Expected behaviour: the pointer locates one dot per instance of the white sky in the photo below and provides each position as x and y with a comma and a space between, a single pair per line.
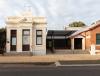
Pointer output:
58, 12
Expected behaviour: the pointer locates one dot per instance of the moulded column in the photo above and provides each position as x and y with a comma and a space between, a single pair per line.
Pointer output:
83, 44
31, 41
8, 40
72, 43
19, 40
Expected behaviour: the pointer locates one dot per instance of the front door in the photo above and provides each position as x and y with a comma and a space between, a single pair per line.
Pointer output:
13, 40
78, 43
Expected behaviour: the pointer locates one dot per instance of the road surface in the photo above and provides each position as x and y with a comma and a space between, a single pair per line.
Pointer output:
31, 70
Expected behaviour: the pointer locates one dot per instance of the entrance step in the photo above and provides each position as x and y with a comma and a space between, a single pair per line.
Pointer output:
63, 51
71, 52
18, 54
81, 52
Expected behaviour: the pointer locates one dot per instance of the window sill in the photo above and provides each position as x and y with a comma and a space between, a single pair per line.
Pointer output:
97, 44
39, 45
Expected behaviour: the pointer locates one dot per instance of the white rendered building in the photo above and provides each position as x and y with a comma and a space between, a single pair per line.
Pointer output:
26, 33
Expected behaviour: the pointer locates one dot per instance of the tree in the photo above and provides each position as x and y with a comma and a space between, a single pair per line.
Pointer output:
2, 38
77, 24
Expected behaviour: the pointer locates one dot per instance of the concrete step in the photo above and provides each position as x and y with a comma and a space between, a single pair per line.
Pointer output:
71, 51
18, 54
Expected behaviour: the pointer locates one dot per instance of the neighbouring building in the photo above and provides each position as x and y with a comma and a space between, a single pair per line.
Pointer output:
88, 38
26, 34
75, 39
58, 40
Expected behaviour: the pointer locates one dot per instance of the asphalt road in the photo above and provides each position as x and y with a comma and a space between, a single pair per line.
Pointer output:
31, 70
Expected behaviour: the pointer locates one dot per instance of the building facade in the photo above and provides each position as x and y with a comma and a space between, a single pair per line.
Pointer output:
26, 33
88, 38
75, 39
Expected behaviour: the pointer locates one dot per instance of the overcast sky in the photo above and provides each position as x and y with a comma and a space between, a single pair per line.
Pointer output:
58, 12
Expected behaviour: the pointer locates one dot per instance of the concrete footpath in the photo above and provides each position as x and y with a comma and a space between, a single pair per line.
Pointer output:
47, 58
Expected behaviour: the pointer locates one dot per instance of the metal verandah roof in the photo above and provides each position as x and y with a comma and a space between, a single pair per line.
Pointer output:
60, 32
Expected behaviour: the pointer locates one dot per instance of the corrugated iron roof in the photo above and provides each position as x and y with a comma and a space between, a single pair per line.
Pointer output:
85, 29
59, 33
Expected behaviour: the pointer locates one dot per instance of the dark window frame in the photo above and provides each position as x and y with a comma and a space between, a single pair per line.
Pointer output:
97, 39
25, 34
25, 47
38, 36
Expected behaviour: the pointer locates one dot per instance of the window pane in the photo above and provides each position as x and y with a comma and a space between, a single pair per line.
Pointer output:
26, 40
13, 40
97, 41
98, 36
26, 32
39, 40
39, 32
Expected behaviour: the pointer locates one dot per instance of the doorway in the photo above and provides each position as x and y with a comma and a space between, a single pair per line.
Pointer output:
13, 40
78, 43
